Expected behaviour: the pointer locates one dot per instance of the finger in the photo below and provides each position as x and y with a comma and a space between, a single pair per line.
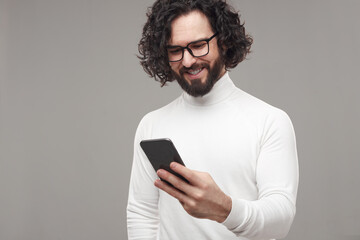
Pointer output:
175, 181
187, 173
171, 191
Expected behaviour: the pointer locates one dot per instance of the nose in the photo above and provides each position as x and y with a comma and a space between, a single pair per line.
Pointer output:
188, 60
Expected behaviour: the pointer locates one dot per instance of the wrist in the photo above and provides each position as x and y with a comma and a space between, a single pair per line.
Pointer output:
226, 209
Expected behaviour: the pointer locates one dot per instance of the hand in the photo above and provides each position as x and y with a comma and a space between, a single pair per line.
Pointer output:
201, 197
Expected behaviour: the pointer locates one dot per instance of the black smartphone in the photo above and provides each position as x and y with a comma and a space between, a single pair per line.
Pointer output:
161, 152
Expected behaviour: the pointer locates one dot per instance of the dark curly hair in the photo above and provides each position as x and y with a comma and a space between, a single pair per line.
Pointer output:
157, 31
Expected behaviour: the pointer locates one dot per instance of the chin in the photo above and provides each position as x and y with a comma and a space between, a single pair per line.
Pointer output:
197, 80
202, 84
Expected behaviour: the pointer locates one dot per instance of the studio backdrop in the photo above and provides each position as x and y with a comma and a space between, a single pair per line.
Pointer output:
72, 93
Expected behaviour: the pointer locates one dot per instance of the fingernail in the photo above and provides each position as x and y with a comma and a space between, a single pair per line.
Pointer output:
173, 164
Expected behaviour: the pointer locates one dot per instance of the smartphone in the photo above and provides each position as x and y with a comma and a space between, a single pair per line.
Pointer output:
161, 152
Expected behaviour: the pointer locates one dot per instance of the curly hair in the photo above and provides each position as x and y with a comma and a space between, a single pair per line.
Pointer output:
232, 40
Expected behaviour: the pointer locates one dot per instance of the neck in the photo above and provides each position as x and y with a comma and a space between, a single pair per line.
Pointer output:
220, 91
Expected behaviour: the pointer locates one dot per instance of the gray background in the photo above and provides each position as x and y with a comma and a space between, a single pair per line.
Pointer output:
72, 93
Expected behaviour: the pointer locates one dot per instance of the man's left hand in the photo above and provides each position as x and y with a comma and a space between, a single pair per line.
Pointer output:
201, 197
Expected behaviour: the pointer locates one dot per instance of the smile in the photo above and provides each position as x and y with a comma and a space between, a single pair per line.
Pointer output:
194, 72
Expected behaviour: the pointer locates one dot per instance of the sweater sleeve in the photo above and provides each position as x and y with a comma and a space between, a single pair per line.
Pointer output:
271, 215
142, 208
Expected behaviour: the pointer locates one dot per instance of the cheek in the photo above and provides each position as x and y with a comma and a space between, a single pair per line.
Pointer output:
214, 52
175, 67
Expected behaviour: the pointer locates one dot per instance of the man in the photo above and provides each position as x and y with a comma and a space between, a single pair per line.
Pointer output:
239, 152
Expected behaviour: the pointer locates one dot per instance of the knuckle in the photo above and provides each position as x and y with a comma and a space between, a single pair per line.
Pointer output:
190, 175
173, 193
198, 196
177, 183
164, 175
191, 206
205, 186
207, 176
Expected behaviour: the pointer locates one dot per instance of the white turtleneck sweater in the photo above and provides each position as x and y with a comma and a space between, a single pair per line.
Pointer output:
246, 145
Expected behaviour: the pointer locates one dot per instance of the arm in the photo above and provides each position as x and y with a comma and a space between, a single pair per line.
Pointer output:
277, 180
142, 208
276, 176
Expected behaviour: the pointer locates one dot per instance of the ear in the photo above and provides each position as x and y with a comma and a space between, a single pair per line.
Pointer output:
223, 49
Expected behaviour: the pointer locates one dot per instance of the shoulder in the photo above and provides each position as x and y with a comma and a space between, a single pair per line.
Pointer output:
161, 112
261, 115
258, 108
155, 117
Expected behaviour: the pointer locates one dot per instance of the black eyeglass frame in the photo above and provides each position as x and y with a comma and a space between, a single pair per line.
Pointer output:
189, 50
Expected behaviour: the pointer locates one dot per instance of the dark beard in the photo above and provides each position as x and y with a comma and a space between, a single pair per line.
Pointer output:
197, 88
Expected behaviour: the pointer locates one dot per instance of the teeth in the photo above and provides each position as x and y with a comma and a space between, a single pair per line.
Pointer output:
195, 71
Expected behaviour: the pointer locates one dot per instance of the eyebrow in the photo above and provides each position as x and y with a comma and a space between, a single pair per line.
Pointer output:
200, 39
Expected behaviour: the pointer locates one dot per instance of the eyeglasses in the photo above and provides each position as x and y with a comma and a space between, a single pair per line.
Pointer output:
197, 48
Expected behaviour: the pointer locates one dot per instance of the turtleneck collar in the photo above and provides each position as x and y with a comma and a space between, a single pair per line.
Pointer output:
220, 91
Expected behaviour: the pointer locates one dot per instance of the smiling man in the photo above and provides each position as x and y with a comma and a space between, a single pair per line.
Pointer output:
198, 68
240, 153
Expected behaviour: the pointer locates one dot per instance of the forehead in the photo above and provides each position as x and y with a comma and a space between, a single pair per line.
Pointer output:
190, 27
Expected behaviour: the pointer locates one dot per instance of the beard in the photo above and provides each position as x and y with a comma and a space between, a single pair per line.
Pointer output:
196, 88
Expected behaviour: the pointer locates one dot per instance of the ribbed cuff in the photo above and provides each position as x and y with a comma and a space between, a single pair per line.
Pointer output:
238, 215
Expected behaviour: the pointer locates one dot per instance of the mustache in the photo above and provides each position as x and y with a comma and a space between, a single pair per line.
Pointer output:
193, 67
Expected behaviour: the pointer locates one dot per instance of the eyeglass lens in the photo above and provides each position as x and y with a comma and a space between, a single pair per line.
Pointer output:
196, 49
